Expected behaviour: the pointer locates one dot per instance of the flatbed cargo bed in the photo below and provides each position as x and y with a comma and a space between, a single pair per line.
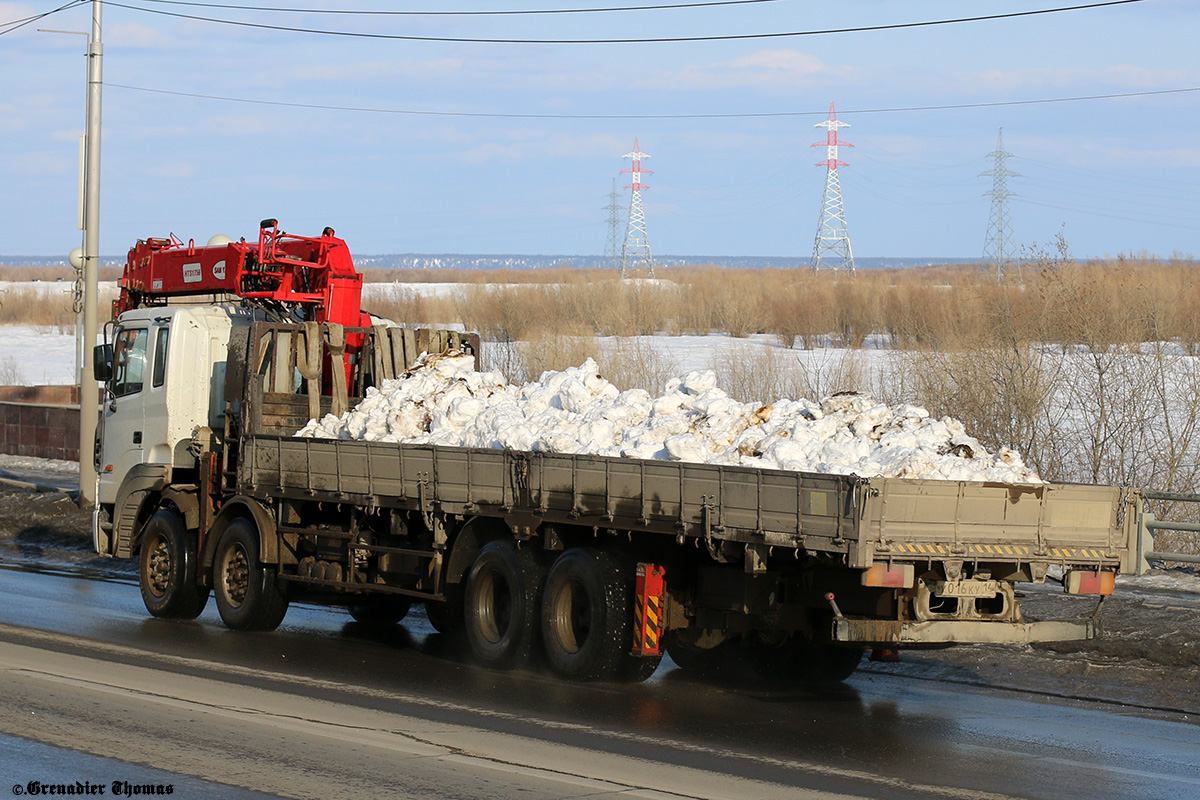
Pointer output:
859, 520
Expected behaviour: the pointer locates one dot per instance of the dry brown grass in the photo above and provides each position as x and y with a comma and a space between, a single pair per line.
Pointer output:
31, 306
1051, 300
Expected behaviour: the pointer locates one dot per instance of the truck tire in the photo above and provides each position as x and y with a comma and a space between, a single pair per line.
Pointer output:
587, 617
382, 613
446, 616
795, 659
500, 605
167, 569
719, 660
248, 594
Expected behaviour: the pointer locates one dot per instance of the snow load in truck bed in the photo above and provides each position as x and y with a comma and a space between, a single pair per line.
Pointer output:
443, 400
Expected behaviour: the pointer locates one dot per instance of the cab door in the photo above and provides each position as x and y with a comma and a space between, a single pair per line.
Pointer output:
124, 414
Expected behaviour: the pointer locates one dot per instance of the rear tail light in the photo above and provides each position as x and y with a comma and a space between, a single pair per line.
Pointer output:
1087, 582
889, 576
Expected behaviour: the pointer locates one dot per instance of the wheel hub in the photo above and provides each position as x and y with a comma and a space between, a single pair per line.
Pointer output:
158, 576
237, 576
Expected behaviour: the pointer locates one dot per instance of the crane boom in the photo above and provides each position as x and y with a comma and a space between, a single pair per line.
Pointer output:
315, 276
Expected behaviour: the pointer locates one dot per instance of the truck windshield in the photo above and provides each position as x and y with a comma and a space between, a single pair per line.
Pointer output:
129, 361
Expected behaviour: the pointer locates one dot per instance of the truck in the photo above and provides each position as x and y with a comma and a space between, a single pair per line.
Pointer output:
595, 566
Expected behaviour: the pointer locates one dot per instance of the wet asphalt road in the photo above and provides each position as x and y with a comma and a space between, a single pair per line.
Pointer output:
523, 734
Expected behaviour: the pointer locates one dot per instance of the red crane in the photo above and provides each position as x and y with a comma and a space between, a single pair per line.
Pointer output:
313, 277
299, 278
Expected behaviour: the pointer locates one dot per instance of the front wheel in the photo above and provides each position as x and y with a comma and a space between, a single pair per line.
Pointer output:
248, 595
167, 569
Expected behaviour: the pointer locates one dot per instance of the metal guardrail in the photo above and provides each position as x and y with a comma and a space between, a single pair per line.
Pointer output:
1149, 525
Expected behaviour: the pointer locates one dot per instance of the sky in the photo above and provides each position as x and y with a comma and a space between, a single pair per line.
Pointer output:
210, 127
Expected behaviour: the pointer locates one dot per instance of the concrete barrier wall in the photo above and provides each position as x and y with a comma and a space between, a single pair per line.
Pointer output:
40, 421
40, 395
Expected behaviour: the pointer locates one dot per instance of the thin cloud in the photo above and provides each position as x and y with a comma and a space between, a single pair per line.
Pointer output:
762, 69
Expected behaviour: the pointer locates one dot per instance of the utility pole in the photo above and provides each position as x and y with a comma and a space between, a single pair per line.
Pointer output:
998, 246
636, 250
89, 407
831, 247
612, 252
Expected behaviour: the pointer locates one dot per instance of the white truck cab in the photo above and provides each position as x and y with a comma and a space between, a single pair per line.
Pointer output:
167, 379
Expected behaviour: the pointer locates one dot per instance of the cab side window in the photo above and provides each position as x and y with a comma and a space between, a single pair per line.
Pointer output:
160, 357
129, 361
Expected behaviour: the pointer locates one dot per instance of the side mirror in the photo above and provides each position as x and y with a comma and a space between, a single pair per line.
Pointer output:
102, 356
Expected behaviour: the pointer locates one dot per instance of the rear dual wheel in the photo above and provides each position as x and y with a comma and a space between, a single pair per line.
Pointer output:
579, 613
587, 618
501, 603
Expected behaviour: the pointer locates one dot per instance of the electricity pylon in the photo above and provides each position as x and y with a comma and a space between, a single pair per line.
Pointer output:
831, 248
998, 246
612, 250
636, 250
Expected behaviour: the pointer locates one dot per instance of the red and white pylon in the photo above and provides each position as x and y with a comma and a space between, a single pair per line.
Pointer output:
831, 249
635, 252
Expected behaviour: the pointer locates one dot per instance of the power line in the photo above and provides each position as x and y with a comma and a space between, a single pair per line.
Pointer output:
1094, 213
15, 24
360, 12
647, 40
498, 115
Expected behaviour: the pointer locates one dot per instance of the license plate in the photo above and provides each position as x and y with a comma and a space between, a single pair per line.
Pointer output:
966, 588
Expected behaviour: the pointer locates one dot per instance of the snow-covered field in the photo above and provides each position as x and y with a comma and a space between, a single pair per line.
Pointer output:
43, 355
34, 356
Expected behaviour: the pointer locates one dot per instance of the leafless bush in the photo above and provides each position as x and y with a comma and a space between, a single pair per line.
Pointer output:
822, 373
557, 350
524, 361
505, 357
751, 373
11, 373
757, 373
1003, 396
634, 363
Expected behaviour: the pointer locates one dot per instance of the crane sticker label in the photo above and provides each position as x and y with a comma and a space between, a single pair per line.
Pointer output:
192, 273
219, 270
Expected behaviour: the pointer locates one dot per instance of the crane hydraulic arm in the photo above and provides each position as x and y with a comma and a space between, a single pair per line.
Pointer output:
315, 276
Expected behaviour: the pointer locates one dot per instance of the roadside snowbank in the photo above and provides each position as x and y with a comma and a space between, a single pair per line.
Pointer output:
444, 401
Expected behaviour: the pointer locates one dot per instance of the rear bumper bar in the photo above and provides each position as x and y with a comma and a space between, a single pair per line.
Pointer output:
892, 632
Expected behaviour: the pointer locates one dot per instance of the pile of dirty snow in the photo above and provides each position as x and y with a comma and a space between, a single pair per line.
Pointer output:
445, 401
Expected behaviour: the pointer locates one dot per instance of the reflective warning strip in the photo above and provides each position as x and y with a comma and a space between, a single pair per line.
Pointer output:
647, 623
652, 625
996, 550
